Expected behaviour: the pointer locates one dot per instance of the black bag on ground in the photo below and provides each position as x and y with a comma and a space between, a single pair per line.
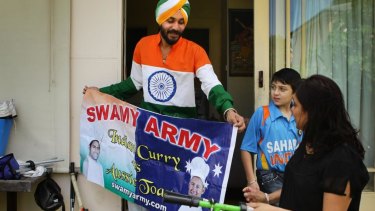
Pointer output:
9, 167
48, 195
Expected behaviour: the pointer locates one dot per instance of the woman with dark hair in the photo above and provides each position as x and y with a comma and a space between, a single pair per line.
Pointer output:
327, 171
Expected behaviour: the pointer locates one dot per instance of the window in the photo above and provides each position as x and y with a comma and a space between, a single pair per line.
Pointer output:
336, 38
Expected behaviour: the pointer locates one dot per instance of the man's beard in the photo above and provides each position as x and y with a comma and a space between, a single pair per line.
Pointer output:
164, 34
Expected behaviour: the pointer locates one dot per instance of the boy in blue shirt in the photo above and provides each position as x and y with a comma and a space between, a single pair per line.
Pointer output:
272, 135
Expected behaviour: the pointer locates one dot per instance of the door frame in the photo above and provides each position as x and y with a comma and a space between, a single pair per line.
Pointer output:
261, 53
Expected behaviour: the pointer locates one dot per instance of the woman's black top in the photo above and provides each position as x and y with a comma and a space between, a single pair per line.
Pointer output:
308, 177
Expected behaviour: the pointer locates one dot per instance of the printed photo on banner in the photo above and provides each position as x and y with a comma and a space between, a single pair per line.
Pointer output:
138, 154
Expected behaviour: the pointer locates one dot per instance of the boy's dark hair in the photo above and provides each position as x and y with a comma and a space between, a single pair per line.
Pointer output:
287, 76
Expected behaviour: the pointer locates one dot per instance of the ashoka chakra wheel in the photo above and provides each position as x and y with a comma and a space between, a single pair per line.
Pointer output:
161, 86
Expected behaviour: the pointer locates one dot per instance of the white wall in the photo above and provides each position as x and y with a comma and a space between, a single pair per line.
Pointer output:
37, 37
96, 60
34, 59
35, 71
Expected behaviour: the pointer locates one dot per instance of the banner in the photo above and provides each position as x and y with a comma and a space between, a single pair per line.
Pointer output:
138, 154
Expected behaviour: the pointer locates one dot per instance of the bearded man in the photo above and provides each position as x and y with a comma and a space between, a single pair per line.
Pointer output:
165, 65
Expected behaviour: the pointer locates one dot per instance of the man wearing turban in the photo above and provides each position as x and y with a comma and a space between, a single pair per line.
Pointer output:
165, 65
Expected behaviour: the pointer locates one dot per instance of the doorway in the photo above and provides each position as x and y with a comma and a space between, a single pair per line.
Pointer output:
210, 30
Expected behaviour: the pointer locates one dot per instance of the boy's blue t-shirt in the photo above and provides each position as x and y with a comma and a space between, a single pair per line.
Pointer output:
274, 142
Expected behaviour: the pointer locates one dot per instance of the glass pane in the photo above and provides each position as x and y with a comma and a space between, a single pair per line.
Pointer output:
336, 38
